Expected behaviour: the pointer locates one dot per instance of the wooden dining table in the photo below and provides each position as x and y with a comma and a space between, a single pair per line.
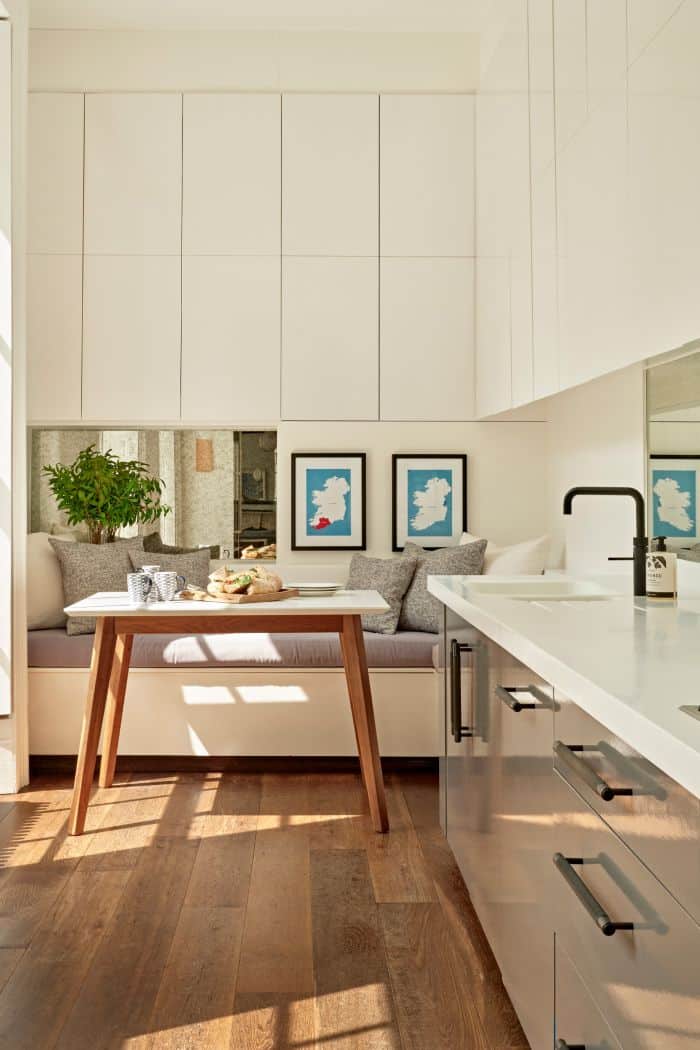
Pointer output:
118, 620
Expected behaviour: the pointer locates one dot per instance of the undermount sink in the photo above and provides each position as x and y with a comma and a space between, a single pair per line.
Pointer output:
540, 589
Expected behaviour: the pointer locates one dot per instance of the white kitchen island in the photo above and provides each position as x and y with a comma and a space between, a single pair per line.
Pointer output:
571, 800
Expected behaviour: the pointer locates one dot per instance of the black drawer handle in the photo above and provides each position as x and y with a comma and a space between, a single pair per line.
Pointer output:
567, 755
459, 732
561, 1044
505, 693
594, 908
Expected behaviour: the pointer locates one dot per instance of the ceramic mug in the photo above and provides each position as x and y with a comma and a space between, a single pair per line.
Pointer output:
139, 585
167, 584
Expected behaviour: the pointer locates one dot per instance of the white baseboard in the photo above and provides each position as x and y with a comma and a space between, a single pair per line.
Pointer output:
232, 711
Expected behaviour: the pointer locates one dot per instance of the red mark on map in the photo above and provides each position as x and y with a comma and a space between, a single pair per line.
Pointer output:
322, 523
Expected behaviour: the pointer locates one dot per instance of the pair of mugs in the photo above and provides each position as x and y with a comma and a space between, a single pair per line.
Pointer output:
149, 584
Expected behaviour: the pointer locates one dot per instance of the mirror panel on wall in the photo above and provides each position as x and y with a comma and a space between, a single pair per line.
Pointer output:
221, 485
673, 444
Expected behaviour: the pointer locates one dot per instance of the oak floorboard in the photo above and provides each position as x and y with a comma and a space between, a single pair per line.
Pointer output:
40, 993
273, 1022
276, 950
340, 807
397, 865
226, 825
9, 960
194, 1006
119, 993
37, 861
353, 1000
495, 1010
433, 999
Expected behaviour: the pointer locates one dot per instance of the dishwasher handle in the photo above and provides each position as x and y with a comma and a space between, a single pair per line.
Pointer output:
459, 731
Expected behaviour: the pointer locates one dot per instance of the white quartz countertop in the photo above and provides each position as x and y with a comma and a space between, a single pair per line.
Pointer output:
632, 663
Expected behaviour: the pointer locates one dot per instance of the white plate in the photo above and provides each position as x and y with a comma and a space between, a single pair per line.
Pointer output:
316, 588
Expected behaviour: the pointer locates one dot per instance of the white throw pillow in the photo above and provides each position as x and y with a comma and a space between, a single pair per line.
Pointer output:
44, 583
521, 559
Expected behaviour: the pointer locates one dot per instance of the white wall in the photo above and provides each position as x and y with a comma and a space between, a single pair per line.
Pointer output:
506, 476
96, 60
595, 437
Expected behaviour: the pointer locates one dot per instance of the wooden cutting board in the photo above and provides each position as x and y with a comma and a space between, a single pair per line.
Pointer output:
244, 599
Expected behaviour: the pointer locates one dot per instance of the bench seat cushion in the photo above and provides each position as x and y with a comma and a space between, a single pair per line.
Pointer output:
55, 648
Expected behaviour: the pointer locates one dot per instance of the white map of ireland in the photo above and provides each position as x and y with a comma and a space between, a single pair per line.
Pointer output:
431, 501
673, 504
330, 503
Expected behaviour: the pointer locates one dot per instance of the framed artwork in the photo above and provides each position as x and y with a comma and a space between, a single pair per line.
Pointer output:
429, 500
675, 499
328, 501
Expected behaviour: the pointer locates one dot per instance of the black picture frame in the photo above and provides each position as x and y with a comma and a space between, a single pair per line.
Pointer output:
361, 458
462, 505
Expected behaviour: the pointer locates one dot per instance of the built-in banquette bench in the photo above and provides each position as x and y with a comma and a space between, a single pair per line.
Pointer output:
240, 695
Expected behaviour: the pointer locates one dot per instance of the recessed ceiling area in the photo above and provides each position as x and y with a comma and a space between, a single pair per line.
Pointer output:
276, 15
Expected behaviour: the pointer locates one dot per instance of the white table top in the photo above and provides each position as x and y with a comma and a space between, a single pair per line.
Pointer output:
342, 603
631, 663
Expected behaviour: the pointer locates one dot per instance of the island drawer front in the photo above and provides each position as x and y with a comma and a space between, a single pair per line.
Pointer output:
578, 1021
645, 980
659, 820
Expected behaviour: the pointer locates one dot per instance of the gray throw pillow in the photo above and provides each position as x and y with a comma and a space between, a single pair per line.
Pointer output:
391, 577
193, 566
90, 567
420, 610
153, 543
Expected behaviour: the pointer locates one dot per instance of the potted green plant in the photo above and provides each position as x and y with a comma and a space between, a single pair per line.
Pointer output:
106, 493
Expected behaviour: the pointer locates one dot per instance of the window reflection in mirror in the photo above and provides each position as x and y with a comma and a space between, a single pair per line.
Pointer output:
220, 484
673, 442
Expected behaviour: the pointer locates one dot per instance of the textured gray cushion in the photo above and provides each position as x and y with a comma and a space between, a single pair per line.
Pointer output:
391, 577
153, 543
194, 566
409, 649
420, 611
90, 567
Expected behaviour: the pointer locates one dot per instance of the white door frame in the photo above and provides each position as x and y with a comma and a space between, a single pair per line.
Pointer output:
14, 757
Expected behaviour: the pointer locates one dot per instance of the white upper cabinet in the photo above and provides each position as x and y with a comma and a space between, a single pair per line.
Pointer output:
570, 73
55, 173
230, 331
427, 175
427, 339
330, 165
664, 159
503, 229
543, 202
54, 337
231, 174
131, 338
330, 359
133, 174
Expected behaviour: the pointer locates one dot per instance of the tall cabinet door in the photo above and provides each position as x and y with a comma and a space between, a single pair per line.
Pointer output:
54, 263
231, 265
427, 248
133, 184
329, 338
330, 165
330, 240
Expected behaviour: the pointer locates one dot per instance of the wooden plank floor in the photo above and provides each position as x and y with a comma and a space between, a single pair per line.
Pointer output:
240, 912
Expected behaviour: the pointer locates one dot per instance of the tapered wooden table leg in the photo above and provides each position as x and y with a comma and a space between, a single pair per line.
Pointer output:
357, 676
115, 708
100, 671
